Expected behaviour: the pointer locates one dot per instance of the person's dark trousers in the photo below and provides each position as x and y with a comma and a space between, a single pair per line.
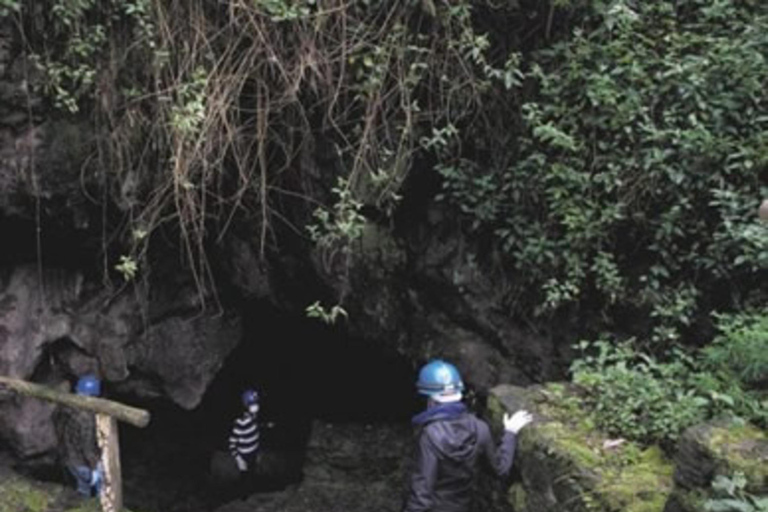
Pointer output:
225, 481
246, 482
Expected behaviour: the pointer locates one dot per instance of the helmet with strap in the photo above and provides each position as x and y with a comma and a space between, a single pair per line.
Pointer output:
440, 381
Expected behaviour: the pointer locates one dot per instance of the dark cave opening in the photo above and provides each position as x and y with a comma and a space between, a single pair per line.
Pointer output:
304, 370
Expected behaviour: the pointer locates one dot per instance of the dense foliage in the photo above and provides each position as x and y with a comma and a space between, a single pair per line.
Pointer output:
638, 396
730, 495
740, 350
608, 155
635, 181
634, 396
636, 186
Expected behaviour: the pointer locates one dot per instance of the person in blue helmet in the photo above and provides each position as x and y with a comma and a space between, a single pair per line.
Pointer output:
78, 449
452, 442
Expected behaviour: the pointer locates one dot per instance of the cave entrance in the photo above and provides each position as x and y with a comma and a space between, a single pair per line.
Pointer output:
305, 372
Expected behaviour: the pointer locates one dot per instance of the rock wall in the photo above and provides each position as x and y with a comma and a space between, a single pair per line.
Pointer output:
52, 331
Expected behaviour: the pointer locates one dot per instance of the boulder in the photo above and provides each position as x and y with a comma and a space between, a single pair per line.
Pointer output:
178, 357
565, 464
721, 447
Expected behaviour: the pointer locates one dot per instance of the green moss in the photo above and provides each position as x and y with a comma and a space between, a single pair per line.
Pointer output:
17, 495
641, 486
517, 497
570, 443
626, 478
87, 506
495, 409
688, 501
737, 445
20, 495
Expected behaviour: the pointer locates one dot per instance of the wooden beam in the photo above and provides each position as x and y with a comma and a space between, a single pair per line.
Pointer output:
132, 415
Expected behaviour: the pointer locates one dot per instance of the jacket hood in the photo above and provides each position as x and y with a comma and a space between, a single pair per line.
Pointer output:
450, 429
439, 412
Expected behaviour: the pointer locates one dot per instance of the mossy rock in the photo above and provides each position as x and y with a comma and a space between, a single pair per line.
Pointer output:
18, 494
563, 462
722, 447
517, 497
686, 501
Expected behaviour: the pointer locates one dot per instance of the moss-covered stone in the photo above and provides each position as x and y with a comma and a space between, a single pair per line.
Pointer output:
722, 447
563, 462
642, 485
517, 497
18, 494
686, 501
744, 448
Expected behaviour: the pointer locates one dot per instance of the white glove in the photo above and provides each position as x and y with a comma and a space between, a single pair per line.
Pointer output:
517, 421
241, 464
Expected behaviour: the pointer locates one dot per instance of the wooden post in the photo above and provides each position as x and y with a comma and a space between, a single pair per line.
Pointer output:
111, 495
107, 413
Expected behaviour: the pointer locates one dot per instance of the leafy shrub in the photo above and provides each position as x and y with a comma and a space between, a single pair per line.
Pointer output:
634, 181
730, 496
9, 6
639, 397
634, 396
728, 396
741, 349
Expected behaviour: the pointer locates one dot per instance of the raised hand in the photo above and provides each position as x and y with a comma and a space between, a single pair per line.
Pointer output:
517, 421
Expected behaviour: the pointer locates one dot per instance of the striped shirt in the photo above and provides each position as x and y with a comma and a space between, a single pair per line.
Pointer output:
244, 438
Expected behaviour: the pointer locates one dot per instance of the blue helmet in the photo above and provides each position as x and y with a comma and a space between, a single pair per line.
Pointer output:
88, 385
440, 380
250, 397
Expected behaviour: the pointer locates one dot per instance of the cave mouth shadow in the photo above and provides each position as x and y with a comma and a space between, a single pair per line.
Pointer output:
304, 371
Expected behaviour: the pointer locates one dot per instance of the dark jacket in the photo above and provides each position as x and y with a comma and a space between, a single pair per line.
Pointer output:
451, 444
